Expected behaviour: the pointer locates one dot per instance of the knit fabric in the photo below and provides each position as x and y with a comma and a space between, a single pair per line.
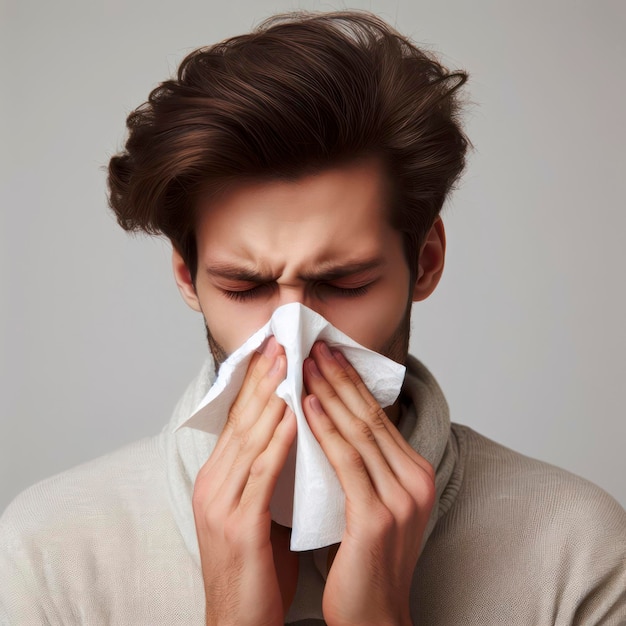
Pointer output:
511, 540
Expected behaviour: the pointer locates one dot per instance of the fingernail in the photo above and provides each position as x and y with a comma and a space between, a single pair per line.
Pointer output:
340, 358
313, 369
325, 351
316, 406
275, 366
270, 346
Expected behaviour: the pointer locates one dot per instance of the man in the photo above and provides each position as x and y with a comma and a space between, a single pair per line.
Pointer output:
308, 162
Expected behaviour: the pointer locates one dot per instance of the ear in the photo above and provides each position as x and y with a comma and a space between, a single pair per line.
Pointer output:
182, 277
431, 262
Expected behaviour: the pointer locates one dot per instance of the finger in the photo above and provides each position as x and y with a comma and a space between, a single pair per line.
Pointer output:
261, 364
337, 385
267, 466
234, 473
262, 378
351, 408
220, 487
345, 459
348, 387
342, 401
376, 495
347, 390
358, 435
365, 393
228, 445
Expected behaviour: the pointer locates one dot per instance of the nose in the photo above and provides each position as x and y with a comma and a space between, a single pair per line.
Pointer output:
293, 293
303, 294
298, 293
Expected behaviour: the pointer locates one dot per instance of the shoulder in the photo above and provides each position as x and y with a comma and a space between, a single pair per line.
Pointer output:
496, 475
538, 537
90, 532
89, 494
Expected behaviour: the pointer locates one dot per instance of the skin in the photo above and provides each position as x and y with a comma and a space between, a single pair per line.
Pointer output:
261, 245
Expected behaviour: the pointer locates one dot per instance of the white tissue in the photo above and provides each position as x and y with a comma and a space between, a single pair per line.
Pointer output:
308, 498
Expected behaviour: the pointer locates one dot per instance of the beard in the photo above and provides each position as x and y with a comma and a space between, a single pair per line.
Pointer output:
395, 348
217, 350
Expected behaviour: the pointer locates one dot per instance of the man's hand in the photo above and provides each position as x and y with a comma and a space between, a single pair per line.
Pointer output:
239, 545
389, 488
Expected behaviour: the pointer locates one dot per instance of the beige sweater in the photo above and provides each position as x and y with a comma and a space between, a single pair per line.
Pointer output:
511, 540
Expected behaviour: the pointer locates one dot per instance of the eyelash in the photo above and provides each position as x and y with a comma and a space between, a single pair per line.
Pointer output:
249, 294
241, 296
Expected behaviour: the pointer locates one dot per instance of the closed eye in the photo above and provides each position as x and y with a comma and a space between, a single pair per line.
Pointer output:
324, 289
345, 292
246, 294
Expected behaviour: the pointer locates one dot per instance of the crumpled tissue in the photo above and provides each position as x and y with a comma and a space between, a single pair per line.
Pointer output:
308, 497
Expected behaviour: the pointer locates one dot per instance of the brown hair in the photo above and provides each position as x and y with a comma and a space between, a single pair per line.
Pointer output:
302, 92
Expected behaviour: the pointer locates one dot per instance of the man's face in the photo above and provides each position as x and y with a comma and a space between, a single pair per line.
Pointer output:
323, 240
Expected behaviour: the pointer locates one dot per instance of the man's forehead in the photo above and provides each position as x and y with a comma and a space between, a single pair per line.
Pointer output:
362, 181
329, 223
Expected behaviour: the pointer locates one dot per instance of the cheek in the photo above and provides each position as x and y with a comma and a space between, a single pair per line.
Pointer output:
372, 320
231, 323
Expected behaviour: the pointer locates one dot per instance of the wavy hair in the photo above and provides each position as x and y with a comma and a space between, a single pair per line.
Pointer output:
301, 93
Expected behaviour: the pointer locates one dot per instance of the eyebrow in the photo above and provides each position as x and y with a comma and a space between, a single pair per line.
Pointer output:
325, 272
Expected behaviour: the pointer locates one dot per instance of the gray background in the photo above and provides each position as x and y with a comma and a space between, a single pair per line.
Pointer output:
525, 333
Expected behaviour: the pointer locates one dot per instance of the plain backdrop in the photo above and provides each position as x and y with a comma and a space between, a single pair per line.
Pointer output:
526, 331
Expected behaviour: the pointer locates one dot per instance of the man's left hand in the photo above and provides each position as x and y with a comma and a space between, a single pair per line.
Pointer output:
389, 488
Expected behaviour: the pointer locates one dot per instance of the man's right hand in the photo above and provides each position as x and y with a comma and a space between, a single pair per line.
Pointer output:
238, 542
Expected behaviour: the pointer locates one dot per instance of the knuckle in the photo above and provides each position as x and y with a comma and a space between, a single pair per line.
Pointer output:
234, 415
244, 439
330, 393
428, 493
263, 469
357, 381
210, 519
353, 458
213, 519
424, 493
363, 430
342, 376
375, 416
201, 494
257, 468
406, 508
378, 417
